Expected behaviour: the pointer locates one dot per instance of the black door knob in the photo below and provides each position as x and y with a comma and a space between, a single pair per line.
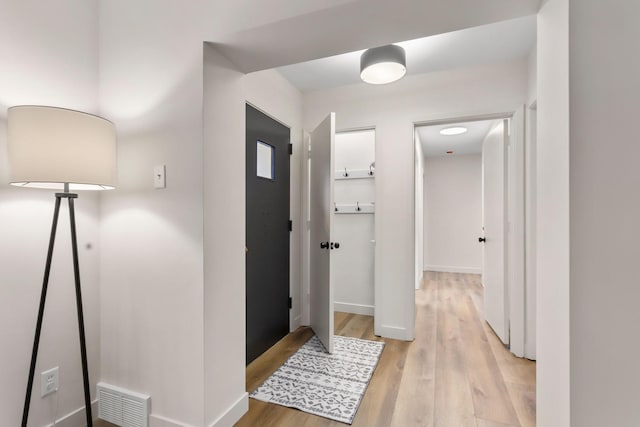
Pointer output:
481, 239
324, 245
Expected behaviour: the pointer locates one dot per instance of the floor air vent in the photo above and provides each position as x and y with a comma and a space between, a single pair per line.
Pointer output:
123, 407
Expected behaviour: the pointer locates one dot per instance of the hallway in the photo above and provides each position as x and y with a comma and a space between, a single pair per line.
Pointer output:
455, 374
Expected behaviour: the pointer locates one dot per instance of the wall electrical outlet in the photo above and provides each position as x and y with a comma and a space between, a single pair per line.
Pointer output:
49, 382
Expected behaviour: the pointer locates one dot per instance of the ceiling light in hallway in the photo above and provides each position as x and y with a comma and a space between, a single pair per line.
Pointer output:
382, 65
456, 130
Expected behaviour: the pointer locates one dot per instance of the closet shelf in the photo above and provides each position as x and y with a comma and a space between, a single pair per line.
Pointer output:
355, 173
354, 208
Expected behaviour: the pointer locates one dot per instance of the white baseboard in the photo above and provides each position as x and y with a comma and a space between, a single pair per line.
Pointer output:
345, 307
228, 419
296, 323
156, 420
451, 269
77, 417
393, 332
530, 351
234, 413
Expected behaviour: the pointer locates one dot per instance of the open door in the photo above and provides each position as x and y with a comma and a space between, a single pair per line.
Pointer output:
494, 272
321, 244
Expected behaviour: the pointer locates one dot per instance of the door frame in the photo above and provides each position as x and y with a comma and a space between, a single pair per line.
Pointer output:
418, 209
514, 306
293, 322
531, 206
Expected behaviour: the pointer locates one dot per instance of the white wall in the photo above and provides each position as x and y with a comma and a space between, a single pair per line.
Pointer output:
224, 287
532, 76
604, 86
156, 329
353, 264
393, 110
419, 208
48, 53
553, 337
151, 263
453, 213
226, 91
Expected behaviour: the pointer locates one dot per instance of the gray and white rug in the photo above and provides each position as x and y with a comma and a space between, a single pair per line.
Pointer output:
329, 385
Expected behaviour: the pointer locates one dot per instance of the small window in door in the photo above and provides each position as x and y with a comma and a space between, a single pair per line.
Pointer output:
266, 157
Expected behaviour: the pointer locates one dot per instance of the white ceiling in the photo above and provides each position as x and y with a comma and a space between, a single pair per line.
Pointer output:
434, 144
338, 27
498, 42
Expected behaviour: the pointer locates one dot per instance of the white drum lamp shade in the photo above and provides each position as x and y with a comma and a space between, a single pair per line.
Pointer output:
49, 147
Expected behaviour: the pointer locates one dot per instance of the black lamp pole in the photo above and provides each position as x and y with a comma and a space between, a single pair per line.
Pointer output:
43, 297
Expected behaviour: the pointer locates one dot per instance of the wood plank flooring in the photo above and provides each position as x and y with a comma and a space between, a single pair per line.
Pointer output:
456, 373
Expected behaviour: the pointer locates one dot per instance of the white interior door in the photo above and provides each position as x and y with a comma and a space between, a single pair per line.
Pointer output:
494, 212
321, 244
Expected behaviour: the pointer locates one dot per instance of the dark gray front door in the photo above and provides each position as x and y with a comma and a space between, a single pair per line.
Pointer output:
267, 202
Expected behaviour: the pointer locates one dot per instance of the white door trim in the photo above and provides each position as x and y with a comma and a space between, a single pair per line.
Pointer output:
516, 193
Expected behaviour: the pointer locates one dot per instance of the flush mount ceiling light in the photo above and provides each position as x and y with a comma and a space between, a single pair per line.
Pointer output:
381, 65
456, 130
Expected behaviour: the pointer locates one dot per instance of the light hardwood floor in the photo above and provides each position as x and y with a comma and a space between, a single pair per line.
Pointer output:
455, 374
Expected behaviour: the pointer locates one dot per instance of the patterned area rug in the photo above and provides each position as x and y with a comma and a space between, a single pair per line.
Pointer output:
329, 385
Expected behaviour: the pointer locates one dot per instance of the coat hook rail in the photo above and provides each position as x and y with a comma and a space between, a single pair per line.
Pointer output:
354, 208
355, 173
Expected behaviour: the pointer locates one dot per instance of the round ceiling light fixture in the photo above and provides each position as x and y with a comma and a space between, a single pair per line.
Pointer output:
456, 130
382, 65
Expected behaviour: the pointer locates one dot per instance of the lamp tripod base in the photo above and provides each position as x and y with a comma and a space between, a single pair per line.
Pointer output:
43, 298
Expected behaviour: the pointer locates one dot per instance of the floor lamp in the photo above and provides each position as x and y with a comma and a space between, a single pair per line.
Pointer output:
65, 150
